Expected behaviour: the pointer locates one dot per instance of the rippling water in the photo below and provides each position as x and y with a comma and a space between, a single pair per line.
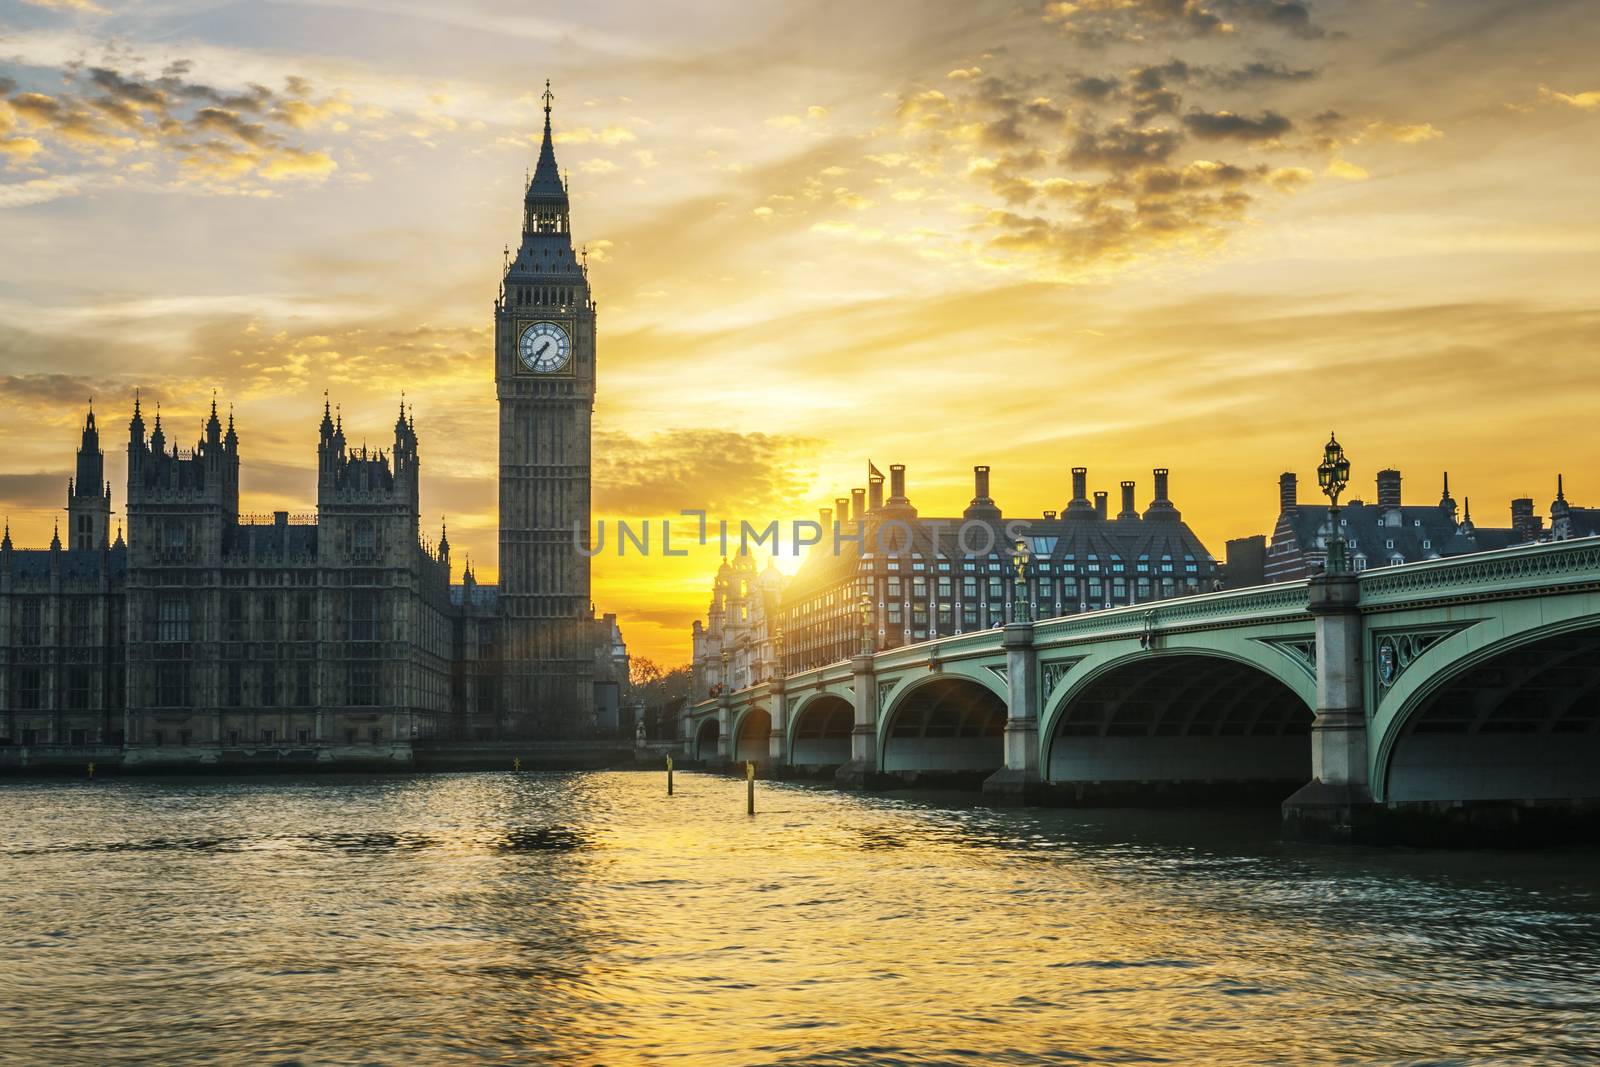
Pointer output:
590, 919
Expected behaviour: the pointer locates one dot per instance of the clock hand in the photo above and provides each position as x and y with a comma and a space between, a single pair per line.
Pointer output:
542, 349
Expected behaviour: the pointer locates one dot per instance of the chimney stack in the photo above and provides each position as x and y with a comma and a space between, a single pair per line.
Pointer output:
1522, 520
1161, 507
1389, 488
897, 483
858, 504
982, 506
1100, 504
875, 493
841, 508
1079, 504
1049, 516
1128, 510
1288, 491
825, 515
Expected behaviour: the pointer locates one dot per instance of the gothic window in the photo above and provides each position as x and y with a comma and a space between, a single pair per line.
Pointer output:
172, 685
78, 621
234, 696
172, 618
363, 681
30, 632
78, 688
25, 688
362, 613
302, 685
269, 684
233, 621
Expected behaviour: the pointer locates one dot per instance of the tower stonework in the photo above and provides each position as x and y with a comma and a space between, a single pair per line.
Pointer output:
89, 494
545, 382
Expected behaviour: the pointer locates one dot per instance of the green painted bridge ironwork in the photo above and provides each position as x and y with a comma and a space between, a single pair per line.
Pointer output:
1433, 700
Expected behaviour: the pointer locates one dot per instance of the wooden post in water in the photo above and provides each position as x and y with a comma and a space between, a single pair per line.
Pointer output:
91, 772
750, 786
669, 776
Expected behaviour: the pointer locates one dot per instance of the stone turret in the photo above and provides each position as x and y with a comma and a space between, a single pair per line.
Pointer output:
88, 493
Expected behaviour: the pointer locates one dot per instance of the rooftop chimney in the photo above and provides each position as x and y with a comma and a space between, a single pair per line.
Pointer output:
875, 493
1079, 504
898, 502
1049, 516
1128, 510
825, 515
841, 508
1161, 507
897, 483
858, 504
982, 506
1288, 491
1389, 488
1522, 519
1100, 505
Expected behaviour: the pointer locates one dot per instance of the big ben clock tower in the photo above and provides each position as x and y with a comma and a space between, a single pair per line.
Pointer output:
544, 348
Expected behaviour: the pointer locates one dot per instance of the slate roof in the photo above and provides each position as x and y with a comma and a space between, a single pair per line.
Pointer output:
77, 564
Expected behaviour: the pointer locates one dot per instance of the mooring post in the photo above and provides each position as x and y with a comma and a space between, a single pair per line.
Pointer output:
669, 776
516, 763
91, 771
750, 786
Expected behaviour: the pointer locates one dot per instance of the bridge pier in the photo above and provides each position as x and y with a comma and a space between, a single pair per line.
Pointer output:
724, 725
862, 770
1018, 781
1336, 806
778, 749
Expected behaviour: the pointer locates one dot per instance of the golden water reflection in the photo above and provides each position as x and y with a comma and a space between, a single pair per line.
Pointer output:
590, 919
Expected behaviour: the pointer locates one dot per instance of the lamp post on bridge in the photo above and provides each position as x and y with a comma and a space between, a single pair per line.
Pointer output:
1333, 474
862, 770
1336, 805
1019, 591
776, 744
725, 698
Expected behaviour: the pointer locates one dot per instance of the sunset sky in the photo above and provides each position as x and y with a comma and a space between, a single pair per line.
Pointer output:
1111, 233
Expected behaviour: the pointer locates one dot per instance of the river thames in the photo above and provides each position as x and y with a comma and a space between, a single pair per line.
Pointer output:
590, 919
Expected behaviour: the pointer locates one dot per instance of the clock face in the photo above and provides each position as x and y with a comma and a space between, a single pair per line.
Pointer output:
544, 348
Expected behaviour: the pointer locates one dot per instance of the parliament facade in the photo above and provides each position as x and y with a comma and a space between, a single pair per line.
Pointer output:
335, 636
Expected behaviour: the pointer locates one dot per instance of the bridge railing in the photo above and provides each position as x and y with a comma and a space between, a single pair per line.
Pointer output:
1499, 573
1257, 602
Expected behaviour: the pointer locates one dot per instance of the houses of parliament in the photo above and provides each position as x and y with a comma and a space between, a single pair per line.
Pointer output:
338, 635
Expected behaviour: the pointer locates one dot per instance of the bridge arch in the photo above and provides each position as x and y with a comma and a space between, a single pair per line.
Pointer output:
705, 739
819, 731
1181, 715
942, 723
752, 735
1495, 711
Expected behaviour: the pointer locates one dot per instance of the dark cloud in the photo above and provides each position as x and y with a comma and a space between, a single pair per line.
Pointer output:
49, 390
1226, 125
218, 120
120, 88
1096, 90
1121, 147
1290, 16
731, 474
33, 491
6, 85
1259, 72
1135, 21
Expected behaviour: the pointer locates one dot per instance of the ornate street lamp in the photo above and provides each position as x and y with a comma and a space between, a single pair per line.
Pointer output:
777, 648
724, 680
1333, 474
1019, 591
867, 641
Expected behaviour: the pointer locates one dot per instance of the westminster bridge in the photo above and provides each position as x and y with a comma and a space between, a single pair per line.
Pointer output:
1455, 699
